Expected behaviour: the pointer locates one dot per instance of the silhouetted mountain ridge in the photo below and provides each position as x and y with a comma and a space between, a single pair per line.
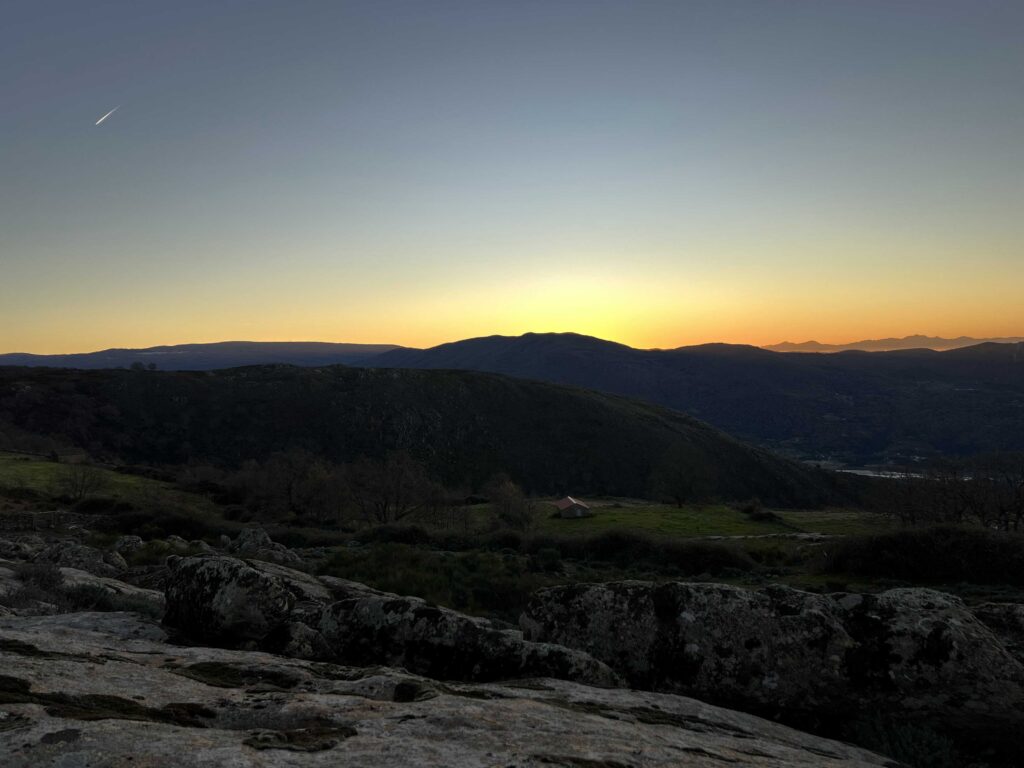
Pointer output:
850, 406
203, 357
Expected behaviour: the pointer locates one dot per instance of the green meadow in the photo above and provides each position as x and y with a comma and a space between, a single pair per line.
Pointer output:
693, 521
25, 476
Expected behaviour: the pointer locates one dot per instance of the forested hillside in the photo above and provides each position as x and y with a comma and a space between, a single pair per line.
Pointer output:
463, 426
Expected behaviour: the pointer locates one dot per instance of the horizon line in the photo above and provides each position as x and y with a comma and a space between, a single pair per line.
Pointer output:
962, 337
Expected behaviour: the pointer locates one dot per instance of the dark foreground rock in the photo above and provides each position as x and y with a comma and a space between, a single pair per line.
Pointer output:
107, 690
822, 661
250, 604
443, 644
256, 544
1006, 620
224, 601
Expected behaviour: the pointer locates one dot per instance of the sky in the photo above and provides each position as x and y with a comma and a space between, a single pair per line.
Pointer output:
656, 173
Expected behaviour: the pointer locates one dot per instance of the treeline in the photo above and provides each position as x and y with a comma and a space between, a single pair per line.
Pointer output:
296, 486
987, 491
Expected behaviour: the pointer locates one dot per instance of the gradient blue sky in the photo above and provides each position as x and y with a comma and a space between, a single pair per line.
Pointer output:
657, 173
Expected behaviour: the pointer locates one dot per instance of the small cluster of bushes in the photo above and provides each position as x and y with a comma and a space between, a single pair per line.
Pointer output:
102, 505
21, 493
615, 547
156, 552
939, 554
92, 598
629, 549
477, 582
916, 745
495, 574
163, 523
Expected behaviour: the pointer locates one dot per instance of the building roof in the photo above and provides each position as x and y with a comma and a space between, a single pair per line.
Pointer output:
569, 501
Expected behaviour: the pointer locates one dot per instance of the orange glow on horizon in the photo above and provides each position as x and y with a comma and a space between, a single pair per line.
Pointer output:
610, 303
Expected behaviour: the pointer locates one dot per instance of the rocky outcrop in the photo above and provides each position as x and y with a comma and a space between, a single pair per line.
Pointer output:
302, 585
21, 547
1006, 620
127, 545
143, 600
345, 589
907, 653
230, 602
223, 600
256, 544
108, 690
71, 554
441, 643
9, 581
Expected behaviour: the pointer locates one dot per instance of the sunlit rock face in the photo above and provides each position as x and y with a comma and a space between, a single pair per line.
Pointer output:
817, 660
109, 690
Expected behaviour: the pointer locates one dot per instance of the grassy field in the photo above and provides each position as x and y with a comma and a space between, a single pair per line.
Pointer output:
43, 477
710, 520
838, 522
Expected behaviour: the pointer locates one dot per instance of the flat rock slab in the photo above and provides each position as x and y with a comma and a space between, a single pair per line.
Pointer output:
104, 690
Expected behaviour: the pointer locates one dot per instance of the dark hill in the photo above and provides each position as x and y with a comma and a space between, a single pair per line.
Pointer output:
205, 357
851, 406
465, 426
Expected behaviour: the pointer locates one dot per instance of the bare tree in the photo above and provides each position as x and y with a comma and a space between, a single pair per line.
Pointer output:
76, 481
510, 505
988, 491
392, 489
682, 476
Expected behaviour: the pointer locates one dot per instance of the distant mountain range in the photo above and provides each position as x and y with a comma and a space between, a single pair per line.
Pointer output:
233, 354
205, 357
936, 343
851, 407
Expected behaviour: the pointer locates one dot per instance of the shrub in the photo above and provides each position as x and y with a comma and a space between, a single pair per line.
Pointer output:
45, 576
21, 493
937, 554
750, 506
156, 552
548, 559
102, 505
76, 481
84, 597
307, 537
503, 539
628, 549
477, 582
916, 745
95, 598
160, 525
27, 596
396, 534
40, 583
